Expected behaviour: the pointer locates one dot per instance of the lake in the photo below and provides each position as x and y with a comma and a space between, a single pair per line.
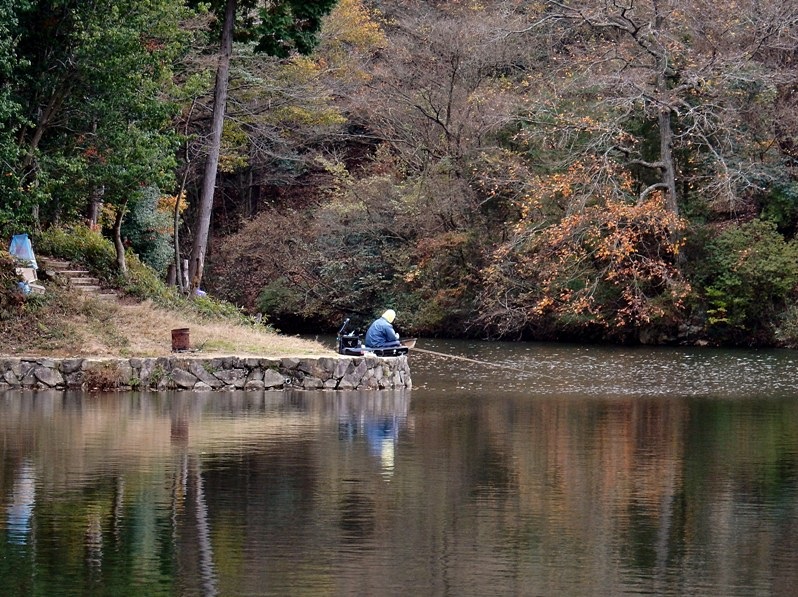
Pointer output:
552, 470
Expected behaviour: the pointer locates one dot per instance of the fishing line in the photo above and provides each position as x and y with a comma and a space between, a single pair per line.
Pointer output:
486, 363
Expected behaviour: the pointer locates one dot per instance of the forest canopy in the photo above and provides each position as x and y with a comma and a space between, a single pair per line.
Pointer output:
547, 170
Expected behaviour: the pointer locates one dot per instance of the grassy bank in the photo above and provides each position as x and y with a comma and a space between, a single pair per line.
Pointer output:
65, 322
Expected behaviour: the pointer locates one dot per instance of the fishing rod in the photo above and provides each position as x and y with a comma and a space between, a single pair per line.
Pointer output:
478, 362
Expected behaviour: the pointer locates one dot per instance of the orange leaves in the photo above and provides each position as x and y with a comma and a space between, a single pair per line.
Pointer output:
91, 153
166, 203
612, 265
585, 182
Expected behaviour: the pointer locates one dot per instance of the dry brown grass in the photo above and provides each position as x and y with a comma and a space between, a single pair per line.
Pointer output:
90, 327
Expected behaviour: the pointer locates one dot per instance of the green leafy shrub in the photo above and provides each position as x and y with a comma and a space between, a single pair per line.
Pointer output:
144, 282
278, 299
786, 332
781, 205
146, 228
10, 298
156, 376
749, 274
89, 248
80, 244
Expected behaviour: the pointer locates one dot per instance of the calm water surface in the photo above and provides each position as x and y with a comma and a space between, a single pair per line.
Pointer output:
560, 470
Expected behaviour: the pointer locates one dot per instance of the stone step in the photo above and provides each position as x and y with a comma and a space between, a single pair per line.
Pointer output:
101, 296
84, 281
72, 272
54, 264
80, 279
96, 292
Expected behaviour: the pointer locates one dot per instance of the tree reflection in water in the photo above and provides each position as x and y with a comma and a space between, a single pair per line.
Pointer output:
459, 492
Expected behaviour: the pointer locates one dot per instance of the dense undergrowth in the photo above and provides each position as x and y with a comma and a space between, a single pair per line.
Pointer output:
615, 272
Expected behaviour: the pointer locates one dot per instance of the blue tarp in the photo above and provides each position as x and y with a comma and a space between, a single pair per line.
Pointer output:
23, 250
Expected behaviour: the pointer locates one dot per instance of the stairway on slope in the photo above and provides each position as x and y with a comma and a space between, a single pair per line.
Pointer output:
79, 279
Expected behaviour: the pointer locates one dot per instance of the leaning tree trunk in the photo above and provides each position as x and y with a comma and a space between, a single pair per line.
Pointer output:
197, 261
179, 273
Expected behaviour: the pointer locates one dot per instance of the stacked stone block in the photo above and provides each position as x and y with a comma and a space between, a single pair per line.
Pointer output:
206, 373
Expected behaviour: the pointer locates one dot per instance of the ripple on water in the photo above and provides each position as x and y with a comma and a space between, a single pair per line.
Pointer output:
542, 369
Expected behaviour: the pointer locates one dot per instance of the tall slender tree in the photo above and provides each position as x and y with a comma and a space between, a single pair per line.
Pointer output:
279, 27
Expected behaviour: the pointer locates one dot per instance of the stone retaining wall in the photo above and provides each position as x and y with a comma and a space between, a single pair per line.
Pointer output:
178, 372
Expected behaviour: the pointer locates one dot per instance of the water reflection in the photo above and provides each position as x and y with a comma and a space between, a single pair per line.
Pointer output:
375, 417
125, 484
454, 489
20, 508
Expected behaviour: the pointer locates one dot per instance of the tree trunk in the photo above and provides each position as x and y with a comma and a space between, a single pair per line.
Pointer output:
184, 273
96, 206
197, 261
666, 157
664, 118
29, 165
176, 229
42, 125
121, 264
180, 273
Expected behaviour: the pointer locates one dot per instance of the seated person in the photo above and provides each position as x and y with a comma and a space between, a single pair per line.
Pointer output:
381, 333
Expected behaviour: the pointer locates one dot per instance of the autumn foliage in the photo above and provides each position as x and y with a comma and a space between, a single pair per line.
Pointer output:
591, 171
610, 268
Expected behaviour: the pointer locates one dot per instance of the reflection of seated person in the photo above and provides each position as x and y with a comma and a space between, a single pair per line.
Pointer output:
380, 432
381, 333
